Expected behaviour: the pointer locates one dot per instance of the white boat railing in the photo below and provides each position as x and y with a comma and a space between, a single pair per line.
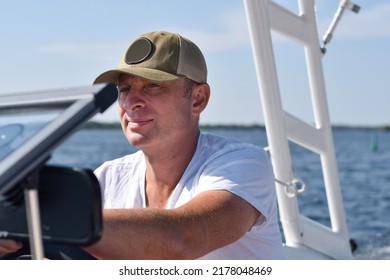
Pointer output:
304, 238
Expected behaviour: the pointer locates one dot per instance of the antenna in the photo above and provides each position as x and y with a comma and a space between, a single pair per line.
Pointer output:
344, 4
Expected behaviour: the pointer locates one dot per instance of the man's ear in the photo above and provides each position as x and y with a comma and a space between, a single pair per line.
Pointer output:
200, 98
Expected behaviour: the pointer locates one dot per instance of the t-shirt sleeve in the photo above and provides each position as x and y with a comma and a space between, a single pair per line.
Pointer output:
246, 172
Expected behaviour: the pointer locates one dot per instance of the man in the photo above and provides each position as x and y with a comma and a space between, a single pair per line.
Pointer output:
185, 194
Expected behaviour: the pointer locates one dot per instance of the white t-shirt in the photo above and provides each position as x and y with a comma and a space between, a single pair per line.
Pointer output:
218, 164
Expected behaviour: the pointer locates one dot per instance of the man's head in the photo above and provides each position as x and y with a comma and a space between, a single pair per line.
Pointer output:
160, 56
162, 86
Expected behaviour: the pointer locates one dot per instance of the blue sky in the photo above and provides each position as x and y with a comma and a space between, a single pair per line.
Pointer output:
53, 44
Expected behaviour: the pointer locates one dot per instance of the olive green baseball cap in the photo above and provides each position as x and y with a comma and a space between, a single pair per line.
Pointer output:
159, 56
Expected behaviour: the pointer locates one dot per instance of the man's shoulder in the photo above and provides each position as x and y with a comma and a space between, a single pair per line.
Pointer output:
219, 149
223, 143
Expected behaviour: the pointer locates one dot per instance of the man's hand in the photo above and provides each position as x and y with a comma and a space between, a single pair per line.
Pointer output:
9, 246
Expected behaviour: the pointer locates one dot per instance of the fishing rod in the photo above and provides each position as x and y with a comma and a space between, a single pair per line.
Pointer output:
344, 5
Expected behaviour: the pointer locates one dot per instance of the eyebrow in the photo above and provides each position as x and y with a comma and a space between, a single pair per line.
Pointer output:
120, 78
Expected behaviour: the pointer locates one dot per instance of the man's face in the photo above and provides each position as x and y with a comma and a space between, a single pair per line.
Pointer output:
153, 112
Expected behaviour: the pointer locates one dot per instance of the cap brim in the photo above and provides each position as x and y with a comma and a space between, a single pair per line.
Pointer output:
112, 76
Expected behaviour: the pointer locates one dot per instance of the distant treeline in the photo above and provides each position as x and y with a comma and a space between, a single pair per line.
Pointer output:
116, 125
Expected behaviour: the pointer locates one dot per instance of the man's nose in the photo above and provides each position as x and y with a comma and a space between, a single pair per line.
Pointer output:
132, 101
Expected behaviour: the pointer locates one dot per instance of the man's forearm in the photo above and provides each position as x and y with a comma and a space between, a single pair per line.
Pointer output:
140, 234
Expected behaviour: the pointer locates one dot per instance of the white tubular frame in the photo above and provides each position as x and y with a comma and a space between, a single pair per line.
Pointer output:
305, 238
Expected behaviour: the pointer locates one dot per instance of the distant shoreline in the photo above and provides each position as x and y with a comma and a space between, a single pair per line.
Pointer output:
116, 125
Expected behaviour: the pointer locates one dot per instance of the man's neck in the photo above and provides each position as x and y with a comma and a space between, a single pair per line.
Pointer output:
165, 168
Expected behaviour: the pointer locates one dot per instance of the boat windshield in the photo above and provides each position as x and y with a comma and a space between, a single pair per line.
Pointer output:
16, 127
33, 124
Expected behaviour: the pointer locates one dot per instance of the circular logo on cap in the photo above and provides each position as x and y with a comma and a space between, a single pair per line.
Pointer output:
138, 51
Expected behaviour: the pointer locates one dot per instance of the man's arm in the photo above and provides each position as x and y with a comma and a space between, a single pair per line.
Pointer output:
209, 221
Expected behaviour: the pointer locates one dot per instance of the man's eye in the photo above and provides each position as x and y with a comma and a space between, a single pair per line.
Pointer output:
152, 89
124, 90
151, 86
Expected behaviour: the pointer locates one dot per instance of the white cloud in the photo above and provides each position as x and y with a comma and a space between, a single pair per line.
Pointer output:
232, 32
229, 30
88, 51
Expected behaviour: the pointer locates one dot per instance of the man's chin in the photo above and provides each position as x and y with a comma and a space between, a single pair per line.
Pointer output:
136, 139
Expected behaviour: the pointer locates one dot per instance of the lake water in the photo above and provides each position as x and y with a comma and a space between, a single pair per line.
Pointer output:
363, 157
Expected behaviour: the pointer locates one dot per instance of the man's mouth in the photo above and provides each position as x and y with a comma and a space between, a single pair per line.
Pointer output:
138, 122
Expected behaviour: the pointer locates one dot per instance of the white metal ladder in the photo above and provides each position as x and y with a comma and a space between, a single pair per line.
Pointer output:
304, 237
